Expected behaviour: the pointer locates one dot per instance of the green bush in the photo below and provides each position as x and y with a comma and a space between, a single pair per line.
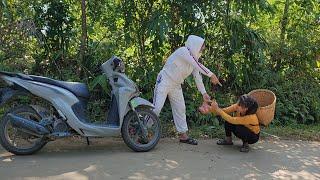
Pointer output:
249, 45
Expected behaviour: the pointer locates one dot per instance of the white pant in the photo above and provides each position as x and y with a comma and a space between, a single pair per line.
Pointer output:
166, 87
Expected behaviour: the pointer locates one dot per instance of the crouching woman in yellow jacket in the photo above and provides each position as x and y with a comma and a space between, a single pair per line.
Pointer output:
244, 125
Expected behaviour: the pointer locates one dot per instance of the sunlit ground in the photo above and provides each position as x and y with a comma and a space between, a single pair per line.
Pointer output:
111, 159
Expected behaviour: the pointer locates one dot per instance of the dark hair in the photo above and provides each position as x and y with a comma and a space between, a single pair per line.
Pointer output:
248, 102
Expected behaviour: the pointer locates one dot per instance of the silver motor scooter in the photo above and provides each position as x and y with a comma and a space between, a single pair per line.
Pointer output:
26, 129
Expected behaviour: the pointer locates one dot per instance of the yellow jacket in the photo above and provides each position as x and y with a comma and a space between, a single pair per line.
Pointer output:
249, 121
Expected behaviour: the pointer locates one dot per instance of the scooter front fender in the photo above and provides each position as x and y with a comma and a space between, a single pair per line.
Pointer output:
138, 101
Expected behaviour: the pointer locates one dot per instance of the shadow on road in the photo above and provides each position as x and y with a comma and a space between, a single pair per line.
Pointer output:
112, 159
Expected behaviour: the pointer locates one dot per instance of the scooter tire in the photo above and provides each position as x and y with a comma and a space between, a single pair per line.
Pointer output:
125, 133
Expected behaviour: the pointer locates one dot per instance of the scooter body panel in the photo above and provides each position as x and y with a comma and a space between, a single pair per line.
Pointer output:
73, 108
63, 100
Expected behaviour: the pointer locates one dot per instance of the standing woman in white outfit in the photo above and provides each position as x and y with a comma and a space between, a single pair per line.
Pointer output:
178, 67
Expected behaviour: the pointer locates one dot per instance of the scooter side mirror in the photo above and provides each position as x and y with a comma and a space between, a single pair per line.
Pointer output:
114, 64
118, 65
108, 67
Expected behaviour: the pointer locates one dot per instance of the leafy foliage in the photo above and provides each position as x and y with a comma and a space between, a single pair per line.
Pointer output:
270, 44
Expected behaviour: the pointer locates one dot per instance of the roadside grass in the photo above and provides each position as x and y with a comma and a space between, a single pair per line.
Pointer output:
288, 132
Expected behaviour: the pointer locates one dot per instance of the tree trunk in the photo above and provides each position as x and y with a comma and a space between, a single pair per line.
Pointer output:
284, 21
174, 40
84, 37
283, 28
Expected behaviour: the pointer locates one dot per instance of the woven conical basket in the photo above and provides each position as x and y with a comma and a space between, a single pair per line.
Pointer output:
267, 104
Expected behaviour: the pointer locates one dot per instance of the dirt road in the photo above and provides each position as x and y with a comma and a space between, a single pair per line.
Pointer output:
111, 159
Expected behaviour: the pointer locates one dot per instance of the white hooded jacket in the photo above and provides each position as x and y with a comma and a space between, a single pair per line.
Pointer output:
184, 61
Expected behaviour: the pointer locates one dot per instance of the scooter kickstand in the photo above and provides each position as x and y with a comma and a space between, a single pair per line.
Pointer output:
88, 142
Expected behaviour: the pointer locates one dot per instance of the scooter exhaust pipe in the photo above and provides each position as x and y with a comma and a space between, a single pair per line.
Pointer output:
29, 125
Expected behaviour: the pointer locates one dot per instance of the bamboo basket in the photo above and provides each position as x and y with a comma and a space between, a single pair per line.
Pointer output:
267, 104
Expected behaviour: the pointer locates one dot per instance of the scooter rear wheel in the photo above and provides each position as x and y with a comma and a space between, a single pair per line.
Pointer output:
132, 133
17, 141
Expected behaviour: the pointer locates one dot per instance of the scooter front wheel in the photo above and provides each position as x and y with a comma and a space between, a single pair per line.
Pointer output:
141, 129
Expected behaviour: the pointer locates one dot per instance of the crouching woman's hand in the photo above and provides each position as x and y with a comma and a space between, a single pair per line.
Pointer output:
214, 108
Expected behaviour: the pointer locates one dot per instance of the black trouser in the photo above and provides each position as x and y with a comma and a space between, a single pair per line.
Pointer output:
242, 132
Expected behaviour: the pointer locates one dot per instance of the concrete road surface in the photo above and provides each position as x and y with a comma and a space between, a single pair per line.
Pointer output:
111, 159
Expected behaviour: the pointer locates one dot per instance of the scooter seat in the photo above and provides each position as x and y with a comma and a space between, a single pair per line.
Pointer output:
78, 89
